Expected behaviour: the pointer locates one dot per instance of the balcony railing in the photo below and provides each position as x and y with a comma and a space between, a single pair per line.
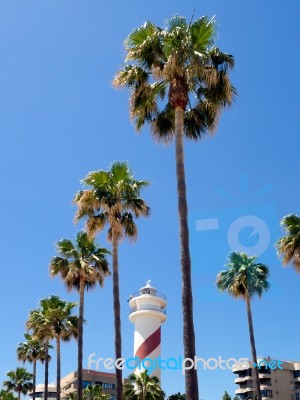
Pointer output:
157, 294
145, 307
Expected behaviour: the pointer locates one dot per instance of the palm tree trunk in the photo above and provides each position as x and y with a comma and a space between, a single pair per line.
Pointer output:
46, 368
80, 339
19, 395
191, 381
253, 348
117, 319
34, 378
58, 372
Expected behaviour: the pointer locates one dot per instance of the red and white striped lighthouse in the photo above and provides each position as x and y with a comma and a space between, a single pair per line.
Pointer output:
148, 312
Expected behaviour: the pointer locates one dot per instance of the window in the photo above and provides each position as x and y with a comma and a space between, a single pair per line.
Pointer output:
264, 370
108, 385
297, 396
247, 372
297, 385
297, 374
267, 393
246, 385
267, 382
98, 383
85, 384
41, 395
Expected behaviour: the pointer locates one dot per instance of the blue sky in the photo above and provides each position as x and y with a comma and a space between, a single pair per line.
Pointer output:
61, 118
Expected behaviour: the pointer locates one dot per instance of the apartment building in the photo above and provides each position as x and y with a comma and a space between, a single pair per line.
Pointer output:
90, 377
279, 380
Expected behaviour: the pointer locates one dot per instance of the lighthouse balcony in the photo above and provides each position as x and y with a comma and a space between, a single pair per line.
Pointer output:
147, 307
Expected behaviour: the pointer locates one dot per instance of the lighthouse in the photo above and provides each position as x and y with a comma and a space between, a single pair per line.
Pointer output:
147, 312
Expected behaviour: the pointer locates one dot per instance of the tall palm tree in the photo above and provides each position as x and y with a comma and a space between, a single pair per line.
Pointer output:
289, 246
113, 198
38, 323
20, 381
179, 84
81, 265
63, 326
143, 387
244, 278
31, 351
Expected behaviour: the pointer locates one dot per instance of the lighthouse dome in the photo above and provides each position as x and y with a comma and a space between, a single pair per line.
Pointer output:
148, 289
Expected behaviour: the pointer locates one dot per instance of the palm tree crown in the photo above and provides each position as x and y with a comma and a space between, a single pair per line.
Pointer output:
181, 65
82, 260
289, 246
31, 350
19, 381
243, 277
143, 387
113, 198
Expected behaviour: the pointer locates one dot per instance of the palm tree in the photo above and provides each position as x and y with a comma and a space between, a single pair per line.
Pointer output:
114, 199
91, 392
244, 278
81, 265
177, 396
143, 387
180, 68
226, 396
31, 351
38, 323
73, 396
20, 381
95, 392
63, 326
6, 395
289, 246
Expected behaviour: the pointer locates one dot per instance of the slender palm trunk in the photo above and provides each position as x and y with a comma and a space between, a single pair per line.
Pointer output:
80, 339
253, 348
117, 319
58, 372
191, 381
19, 395
46, 368
34, 378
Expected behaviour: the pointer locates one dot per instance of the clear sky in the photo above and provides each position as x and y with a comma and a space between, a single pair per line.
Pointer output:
61, 118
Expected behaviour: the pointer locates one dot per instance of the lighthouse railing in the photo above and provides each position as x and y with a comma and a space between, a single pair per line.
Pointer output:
157, 294
145, 307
